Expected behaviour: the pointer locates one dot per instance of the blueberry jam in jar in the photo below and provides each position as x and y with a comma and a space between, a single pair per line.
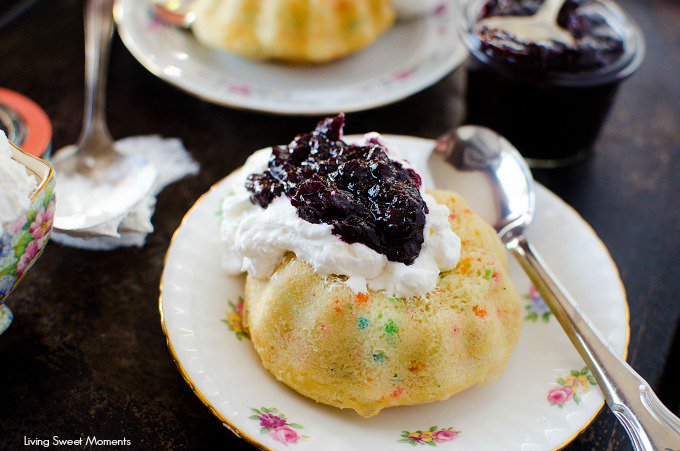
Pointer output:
549, 98
366, 196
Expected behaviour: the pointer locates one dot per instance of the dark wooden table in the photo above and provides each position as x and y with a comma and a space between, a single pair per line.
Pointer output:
86, 355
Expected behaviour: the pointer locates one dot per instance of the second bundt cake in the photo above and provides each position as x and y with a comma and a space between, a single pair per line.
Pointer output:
292, 30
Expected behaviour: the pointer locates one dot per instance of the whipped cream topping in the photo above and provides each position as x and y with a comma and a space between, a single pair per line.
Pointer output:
16, 184
258, 239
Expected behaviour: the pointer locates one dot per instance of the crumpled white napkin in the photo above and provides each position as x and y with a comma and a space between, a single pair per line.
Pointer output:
172, 162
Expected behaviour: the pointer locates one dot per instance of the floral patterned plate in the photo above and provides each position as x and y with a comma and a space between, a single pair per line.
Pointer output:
545, 397
410, 57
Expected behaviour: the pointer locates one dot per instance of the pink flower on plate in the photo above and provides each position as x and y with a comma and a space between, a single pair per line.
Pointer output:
31, 252
533, 293
559, 395
441, 10
239, 307
444, 435
42, 224
240, 89
155, 24
284, 435
402, 75
271, 421
276, 426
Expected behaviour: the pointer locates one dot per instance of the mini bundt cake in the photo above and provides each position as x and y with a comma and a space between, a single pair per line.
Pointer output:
291, 30
370, 351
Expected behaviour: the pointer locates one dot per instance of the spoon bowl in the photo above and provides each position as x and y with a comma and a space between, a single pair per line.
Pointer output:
498, 173
98, 186
93, 195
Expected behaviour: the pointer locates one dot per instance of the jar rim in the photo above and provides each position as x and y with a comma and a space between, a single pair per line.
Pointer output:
619, 20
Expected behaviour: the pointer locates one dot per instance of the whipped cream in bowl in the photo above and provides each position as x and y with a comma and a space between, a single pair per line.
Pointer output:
258, 238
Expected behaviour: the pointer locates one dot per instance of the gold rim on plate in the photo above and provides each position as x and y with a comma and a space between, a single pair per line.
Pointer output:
239, 433
229, 425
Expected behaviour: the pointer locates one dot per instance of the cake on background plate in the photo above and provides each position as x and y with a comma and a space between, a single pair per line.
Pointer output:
301, 31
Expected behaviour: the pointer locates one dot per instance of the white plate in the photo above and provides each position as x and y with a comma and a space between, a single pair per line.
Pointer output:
410, 57
513, 413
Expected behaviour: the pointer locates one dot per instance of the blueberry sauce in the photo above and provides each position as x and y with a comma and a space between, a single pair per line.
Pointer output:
596, 43
367, 197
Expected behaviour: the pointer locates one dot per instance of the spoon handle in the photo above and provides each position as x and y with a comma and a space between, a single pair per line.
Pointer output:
650, 425
98, 36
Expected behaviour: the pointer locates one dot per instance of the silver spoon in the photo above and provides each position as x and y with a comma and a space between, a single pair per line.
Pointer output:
97, 185
501, 173
539, 27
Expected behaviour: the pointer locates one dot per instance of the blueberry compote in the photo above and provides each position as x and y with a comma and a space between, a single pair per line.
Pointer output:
595, 42
550, 99
367, 197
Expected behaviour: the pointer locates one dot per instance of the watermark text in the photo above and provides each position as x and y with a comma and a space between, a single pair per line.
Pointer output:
92, 440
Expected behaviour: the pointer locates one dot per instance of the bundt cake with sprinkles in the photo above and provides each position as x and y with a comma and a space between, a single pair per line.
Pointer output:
303, 31
368, 351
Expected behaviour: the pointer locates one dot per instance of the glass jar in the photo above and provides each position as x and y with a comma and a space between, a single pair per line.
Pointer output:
553, 118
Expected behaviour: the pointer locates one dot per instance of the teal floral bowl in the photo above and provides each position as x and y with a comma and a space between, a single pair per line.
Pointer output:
23, 240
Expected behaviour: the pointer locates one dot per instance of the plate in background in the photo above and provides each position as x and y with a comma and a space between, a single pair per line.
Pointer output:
410, 57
